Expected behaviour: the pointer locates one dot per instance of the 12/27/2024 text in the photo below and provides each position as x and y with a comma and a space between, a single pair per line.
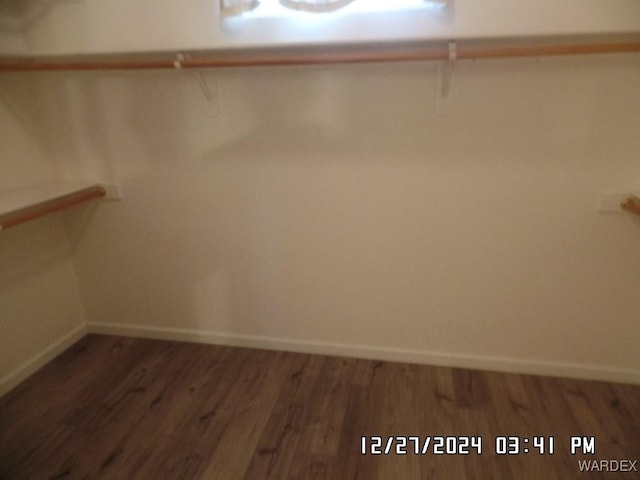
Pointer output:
470, 445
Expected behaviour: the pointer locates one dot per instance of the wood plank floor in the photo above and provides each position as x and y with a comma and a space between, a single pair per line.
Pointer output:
121, 408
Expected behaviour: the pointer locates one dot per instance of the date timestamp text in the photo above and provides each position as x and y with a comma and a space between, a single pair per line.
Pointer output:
456, 445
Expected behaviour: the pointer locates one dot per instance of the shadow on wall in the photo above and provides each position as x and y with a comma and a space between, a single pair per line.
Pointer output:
25, 252
324, 201
212, 222
35, 106
134, 258
39, 299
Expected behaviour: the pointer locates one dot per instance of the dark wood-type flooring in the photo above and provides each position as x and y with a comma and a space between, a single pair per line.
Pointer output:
122, 408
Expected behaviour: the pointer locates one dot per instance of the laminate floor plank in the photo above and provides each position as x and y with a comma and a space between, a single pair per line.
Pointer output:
518, 414
476, 410
35, 421
595, 422
624, 408
105, 425
256, 401
276, 447
437, 415
184, 454
83, 362
146, 404
322, 417
399, 420
121, 408
363, 414
560, 422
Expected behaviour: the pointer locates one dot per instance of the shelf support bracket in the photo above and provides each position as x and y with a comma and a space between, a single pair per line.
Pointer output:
447, 71
181, 62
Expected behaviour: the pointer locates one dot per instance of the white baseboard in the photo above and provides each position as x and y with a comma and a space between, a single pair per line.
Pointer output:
476, 362
28, 368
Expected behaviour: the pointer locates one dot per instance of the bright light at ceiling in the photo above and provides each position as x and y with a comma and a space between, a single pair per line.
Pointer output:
273, 8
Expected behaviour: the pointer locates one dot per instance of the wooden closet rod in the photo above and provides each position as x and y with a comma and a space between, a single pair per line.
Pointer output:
50, 206
313, 55
632, 205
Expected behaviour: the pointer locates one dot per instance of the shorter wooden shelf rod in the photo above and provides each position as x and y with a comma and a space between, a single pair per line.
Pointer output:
46, 207
631, 205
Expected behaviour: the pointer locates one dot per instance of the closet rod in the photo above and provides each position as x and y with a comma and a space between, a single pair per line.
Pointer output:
631, 205
50, 206
312, 55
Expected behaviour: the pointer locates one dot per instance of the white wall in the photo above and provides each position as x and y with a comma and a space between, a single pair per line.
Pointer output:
91, 26
40, 306
11, 38
332, 208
